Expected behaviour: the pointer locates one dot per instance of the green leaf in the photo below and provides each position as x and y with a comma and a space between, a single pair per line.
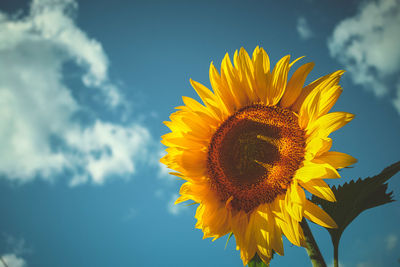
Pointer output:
355, 197
257, 262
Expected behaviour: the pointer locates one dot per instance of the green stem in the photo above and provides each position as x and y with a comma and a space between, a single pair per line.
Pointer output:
311, 246
335, 253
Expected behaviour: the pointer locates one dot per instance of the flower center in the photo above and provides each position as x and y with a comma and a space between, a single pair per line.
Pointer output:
254, 154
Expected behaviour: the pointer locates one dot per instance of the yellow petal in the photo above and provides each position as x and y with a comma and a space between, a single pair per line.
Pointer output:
230, 79
249, 247
221, 90
295, 85
315, 171
319, 188
255, 53
201, 112
181, 199
288, 232
294, 200
219, 222
194, 162
294, 61
261, 77
263, 222
328, 99
318, 216
309, 110
250, 235
183, 142
294, 231
279, 79
262, 237
209, 99
176, 124
239, 224
328, 123
316, 147
271, 231
189, 123
331, 79
266, 62
197, 125
288, 225
245, 71
195, 106
277, 243
337, 159
192, 191
299, 233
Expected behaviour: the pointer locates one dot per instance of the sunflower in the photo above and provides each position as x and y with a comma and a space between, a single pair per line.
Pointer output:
249, 152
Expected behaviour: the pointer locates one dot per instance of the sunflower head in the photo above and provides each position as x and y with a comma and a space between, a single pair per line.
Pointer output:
249, 151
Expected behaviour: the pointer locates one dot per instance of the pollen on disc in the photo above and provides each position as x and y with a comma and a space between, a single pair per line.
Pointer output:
254, 154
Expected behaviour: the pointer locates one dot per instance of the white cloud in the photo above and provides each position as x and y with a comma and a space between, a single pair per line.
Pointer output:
163, 172
11, 260
108, 149
367, 45
175, 209
50, 18
17, 246
396, 100
391, 241
40, 135
303, 28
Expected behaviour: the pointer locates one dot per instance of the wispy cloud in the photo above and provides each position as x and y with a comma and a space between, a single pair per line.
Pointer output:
303, 29
107, 149
175, 209
11, 260
396, 100
367, 45
16, 248
40, 135
391, 241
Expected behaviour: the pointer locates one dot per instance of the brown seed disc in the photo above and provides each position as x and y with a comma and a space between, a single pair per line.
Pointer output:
254, 154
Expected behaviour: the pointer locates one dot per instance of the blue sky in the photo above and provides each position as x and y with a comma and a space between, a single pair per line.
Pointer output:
85, 87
